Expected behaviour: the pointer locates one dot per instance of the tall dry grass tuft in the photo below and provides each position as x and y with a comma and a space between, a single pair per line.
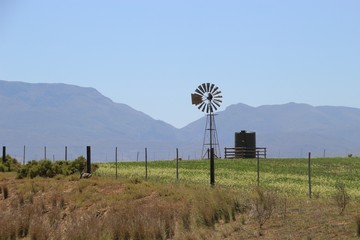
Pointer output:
141, 222
5, 191
357, 222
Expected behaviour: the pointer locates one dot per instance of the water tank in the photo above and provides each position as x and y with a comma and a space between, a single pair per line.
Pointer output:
247, 141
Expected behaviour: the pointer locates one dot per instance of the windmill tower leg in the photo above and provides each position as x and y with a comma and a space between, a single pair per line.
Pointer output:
210, 138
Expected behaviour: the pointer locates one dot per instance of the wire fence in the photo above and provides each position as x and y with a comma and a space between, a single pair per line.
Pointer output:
27, 153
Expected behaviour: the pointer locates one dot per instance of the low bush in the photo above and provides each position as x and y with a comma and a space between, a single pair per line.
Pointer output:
47, 168
10, 165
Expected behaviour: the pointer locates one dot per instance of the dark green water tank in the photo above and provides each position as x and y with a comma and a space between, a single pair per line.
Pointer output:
246, 140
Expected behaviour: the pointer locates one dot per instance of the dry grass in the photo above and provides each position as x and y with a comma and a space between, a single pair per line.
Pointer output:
69, 208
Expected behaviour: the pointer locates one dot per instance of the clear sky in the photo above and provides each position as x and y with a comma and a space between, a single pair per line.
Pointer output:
152, 55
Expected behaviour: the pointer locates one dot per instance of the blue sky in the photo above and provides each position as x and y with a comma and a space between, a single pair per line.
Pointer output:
152, 55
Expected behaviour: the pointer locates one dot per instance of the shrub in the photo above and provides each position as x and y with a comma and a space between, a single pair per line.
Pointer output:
341, 197
62, 167
263, 205
78, 165
33, 171
2, 167
11, 164
23, 172
47, 168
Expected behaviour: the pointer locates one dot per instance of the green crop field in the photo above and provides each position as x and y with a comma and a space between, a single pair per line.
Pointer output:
287, 176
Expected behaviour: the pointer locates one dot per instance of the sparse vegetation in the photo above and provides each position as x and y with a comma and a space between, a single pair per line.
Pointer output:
10, 165
105, 209
341, 197
357, 221
49, 169
263, 203
5, 192
131, 207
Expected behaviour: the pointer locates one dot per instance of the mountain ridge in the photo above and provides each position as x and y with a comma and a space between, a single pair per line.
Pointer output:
58, 115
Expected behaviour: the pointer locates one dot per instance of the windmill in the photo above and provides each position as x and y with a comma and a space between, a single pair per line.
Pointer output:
207, 98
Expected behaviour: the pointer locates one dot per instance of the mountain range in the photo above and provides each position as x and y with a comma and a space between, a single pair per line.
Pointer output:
42, 119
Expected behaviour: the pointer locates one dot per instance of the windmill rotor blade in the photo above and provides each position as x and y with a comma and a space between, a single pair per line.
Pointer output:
211, 88
213, 105
218, 92
218, 96
199, 92
216, 103
204, 87
214, 90
208, 108
201, 104
208, 87
203, 109
200, 89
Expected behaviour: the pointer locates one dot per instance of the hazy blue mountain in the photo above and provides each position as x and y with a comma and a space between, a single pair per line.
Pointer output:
59, 115
290, 130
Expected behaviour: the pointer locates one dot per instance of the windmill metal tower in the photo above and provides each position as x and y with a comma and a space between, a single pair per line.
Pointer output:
207, 98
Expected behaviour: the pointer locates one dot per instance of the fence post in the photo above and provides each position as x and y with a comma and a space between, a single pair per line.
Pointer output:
4, 154
146, 164
88, 159
309, 174
24, 155
177, 164
258, 168
116, 162
265, 153
65, 153
45, 153
212, 167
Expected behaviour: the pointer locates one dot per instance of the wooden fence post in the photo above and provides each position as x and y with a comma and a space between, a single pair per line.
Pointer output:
212, 167
88, 159
116, 162
66, 153
177, 164
24, 155
4, 154
309, 174
146, 164
258, 168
